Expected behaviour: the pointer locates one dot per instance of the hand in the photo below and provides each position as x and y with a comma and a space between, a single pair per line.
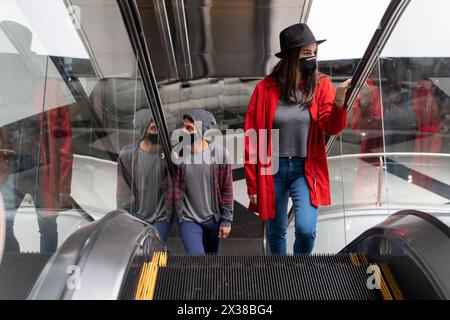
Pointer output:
341, 92
224, 232
253, 199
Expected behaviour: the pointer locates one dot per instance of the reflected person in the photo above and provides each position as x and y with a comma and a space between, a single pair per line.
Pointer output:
400, 122
142, 176
429, 131
366, 123
37, 140
40, 166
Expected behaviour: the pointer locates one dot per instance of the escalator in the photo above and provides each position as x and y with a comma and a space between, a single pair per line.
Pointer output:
396, 260
316, 277
121, 257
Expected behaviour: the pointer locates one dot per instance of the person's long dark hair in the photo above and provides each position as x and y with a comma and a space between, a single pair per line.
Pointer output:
290, 79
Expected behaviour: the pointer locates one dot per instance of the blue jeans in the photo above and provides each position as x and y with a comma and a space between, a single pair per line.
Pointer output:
200, 238
290, 179
163, 227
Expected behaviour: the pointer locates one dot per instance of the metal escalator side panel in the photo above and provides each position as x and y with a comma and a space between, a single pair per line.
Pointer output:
93, 262
413, 241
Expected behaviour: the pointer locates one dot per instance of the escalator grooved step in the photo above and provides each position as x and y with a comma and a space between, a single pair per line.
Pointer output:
300, 277
19, 272
279, 281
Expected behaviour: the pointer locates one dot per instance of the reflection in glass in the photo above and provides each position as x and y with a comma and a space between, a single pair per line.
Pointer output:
36, 149
64, 118
366, 123
428, 137
142, 175
414, 105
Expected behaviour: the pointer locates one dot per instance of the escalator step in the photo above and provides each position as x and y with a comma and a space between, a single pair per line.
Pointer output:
277, 282
252, 261
18, 274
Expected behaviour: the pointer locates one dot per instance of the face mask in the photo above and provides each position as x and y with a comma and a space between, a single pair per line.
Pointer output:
308, 66
152, 138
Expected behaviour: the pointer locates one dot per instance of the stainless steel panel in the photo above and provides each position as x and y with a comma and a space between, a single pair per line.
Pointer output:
237, 38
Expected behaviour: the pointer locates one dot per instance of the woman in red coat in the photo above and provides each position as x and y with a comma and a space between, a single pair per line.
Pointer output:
295, 106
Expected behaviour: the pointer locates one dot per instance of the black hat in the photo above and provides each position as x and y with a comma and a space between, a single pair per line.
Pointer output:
294, 37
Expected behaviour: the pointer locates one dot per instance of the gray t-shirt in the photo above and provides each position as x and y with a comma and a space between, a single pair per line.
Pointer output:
149, 177
198, 203
293, 122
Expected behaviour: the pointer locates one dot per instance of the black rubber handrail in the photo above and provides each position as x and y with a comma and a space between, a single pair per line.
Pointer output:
132, 20
427, 217
83, 213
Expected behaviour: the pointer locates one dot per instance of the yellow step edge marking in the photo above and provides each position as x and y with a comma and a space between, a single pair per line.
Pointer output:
391, 281
141, 281
363, 259
152, 286
163, 261
354, 259
384, 288
147, 281
153, 265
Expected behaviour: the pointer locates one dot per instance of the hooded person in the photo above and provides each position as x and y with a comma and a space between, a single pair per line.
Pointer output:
203, 188
142, 176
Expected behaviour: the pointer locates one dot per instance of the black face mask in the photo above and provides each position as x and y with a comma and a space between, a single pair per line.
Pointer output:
308, 66
152, 138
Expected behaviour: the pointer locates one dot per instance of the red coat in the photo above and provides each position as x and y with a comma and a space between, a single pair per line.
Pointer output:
55, 177
326, 118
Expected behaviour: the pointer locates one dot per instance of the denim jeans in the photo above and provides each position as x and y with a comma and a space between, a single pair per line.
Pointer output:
290, 179
200, 238
163, 227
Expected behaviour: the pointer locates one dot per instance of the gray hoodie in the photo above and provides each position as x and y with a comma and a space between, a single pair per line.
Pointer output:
205, 117
217, 182
141, 176
141, 121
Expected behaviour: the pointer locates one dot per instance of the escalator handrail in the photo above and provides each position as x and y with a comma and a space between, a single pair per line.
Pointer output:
83, 213
419, 239
427, 217
131, 17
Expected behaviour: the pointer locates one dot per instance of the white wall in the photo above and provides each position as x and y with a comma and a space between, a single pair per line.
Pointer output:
348, 26
422, 31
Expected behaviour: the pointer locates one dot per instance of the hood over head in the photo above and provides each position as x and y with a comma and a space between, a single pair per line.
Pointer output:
141, 121
206, 118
